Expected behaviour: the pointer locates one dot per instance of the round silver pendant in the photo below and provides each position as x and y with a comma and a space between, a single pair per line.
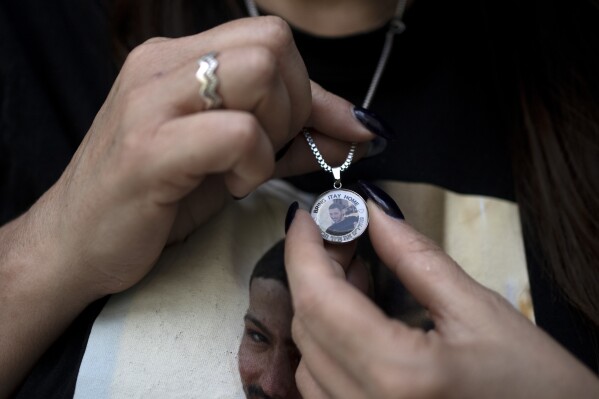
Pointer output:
341, 215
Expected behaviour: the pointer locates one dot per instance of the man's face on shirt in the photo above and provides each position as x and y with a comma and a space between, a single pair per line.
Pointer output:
268, 357
336, 214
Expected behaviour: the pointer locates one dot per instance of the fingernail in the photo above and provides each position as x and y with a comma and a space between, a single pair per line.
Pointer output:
376, 146
374, 123
290, 215
239, 198
382, 199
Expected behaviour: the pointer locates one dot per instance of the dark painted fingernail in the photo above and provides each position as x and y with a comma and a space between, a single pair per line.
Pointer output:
376, 146
374, 123
290, 215
281, 153
382, 199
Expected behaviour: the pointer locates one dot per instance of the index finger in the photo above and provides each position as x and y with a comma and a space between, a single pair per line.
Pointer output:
336, 314
436, 281
305, 244
163, 55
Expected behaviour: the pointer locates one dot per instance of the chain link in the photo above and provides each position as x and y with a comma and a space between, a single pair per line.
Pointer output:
320, 159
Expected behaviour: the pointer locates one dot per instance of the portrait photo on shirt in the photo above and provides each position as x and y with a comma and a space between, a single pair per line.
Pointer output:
267, 356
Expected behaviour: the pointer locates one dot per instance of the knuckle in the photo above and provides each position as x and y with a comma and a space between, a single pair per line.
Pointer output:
139, 54
276, 33
135, 125
133, 100
432, 258
132, 142
244, 132
417, 373
383, 381
132, 153
493, 301
424, 245
307, 305
144, 54
261, 66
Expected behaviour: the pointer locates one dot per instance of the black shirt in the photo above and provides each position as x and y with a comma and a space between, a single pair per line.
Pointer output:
443, 92
343, 227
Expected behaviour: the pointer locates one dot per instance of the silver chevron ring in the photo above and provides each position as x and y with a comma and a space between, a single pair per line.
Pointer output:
206, 76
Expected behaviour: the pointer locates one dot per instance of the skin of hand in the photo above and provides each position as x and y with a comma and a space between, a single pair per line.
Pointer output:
481, 346
154, 165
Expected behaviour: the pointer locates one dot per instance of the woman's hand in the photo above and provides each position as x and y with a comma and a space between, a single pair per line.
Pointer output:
481, 346
154, 165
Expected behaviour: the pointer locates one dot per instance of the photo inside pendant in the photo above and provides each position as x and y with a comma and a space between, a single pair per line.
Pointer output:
341, 215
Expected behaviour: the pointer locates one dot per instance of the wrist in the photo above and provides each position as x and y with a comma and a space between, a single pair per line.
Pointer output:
44, 261
39, 298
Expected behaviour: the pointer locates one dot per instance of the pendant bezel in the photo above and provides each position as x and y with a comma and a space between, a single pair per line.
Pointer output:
344, 198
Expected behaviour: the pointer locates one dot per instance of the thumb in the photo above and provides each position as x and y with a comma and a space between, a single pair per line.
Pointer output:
334, 123
435, 280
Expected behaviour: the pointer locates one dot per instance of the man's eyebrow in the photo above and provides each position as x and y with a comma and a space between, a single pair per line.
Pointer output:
250, 317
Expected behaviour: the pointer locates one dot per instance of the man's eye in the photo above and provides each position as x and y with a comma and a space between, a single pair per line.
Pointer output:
257, 337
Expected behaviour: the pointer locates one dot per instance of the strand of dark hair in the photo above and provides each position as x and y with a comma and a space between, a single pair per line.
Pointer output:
557, 153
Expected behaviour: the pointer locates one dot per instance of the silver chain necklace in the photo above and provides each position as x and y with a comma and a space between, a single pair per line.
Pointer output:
347, 216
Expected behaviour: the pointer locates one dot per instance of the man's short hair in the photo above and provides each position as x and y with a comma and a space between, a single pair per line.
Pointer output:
272, 265
336, 205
